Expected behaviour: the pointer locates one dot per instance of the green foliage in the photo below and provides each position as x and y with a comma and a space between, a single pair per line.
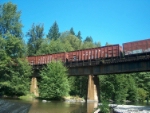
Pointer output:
27, 97
142, 94
88, 39
54, 32
120, 83
114, 87
78, 85
10, 20
14, 79
54, 46
14, 46
87, 45
107, 44
107, 88
20, 77
97, 44
79, 35
104, 108
35, 35
71, 40
54, 83
72, 31
120, 87
132, 93
14, 69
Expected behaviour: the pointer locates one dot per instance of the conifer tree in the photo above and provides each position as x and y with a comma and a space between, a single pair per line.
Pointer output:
72, 31
54, 32
79, 35
88, 39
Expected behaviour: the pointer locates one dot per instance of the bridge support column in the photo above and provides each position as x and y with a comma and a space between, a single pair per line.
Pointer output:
93, 89
34, 87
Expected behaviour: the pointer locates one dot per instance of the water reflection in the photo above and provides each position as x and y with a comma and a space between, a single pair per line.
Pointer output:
91, 106
61, 107
37, 106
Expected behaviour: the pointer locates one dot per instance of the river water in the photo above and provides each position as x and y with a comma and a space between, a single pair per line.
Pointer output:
37, 106
61, 107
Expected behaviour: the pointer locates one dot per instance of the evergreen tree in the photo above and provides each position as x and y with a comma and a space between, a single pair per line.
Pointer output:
88, 39
54, 32
86, 45
97, 44
107, 44
10, 20
79, 35
54, 83
72, 31
35, 35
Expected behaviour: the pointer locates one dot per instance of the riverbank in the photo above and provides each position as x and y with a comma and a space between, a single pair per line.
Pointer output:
131, 109
126, 108
73, 99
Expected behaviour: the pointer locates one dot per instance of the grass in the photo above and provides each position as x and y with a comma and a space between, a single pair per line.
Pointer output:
27, 97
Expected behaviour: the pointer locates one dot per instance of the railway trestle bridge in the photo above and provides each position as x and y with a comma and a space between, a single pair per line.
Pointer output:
93, 68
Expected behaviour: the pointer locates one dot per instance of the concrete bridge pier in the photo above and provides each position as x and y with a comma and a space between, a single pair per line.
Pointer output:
93, 89
34, 87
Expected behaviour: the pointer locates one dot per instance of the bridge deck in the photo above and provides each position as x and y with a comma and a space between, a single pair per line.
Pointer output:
127, 64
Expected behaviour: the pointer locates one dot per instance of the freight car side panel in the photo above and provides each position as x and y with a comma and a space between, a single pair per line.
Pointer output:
40, 59
136, 47
95, 53
31, 60
110, 51
79, 55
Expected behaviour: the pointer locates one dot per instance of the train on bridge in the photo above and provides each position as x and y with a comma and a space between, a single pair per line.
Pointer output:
141, 47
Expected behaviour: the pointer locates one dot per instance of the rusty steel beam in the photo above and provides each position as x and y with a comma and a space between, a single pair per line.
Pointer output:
112, 68
127, 64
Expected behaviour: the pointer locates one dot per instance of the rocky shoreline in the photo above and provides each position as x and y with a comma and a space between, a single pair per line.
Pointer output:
127, 108
131, 109
69, 99
74, 99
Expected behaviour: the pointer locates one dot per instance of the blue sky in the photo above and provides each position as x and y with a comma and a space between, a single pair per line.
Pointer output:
112, 21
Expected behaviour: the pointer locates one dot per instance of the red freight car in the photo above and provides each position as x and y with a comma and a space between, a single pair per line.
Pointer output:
137, 47
44, 59
31, 60
59, 56
95, 53
79, 55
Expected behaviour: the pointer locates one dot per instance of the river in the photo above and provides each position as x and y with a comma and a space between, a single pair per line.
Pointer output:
37, 106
